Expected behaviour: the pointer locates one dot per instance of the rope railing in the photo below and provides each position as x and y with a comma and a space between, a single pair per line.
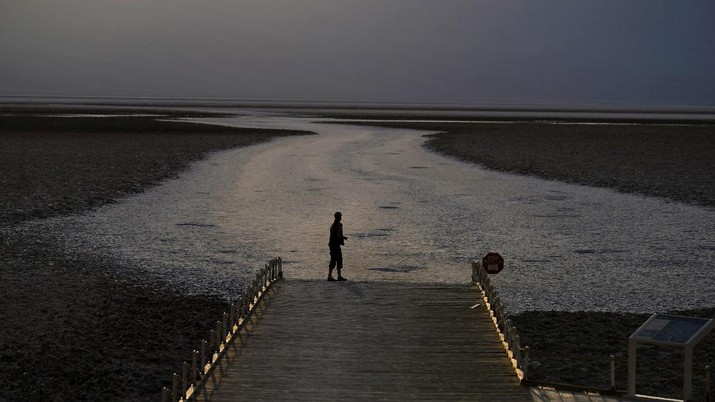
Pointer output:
185, 386
508, 333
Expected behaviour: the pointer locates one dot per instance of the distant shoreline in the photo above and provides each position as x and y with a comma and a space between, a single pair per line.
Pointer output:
375, 111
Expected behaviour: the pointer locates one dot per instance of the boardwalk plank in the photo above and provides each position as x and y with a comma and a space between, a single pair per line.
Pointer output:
370, 341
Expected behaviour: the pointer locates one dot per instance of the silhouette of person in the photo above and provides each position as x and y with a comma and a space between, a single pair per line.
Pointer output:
336, 254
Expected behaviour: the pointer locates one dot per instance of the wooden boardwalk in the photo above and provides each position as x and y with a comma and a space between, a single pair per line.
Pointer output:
318, 340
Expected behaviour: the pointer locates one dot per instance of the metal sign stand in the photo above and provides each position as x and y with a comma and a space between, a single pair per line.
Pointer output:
662, 329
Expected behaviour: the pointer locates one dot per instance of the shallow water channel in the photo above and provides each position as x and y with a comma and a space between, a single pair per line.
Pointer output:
411, 215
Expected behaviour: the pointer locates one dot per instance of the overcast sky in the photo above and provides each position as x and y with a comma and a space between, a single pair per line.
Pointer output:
645, 52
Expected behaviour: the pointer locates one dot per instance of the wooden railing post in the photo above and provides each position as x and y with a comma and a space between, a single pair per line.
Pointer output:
219, 337
708, 385
204, 346
612, 364
239, 311
165, 395
195, 367
175, 387
517, 339
234, 315
226, 329
184, 378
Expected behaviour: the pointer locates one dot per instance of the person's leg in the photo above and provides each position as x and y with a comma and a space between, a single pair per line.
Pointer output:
340, 265
331, 265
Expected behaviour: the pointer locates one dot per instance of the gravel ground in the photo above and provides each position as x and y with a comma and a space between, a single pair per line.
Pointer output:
573, 348
56, 166
71, 329
669, 161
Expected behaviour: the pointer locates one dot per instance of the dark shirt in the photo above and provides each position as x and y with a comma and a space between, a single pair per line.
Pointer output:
336, 235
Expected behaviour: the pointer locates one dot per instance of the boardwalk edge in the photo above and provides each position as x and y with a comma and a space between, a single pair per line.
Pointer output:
194, 376
518, 355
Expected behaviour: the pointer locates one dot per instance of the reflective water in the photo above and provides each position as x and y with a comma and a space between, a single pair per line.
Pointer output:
410, 215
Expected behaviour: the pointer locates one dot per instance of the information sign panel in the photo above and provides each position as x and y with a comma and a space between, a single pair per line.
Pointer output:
664, 329
671, 330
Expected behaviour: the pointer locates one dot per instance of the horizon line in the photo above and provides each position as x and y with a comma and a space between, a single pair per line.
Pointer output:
613, 107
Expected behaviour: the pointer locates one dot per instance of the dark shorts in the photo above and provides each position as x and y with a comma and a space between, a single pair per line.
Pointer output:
336, 257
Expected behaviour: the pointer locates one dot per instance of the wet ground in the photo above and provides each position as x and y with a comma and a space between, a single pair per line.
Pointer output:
410, 215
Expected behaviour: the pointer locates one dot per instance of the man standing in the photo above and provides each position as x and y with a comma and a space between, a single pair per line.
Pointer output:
336, 240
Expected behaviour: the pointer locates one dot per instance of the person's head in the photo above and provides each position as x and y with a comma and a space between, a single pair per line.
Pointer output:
338, 216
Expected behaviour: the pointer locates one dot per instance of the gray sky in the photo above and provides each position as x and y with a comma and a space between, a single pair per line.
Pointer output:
642, 52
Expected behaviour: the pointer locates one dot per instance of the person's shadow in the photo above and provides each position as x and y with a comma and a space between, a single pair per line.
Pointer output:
353, 288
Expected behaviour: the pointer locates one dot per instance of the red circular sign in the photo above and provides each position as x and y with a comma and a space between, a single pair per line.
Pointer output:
493, 263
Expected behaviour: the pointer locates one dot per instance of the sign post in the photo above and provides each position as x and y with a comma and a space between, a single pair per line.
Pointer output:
493, 263
662, 329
